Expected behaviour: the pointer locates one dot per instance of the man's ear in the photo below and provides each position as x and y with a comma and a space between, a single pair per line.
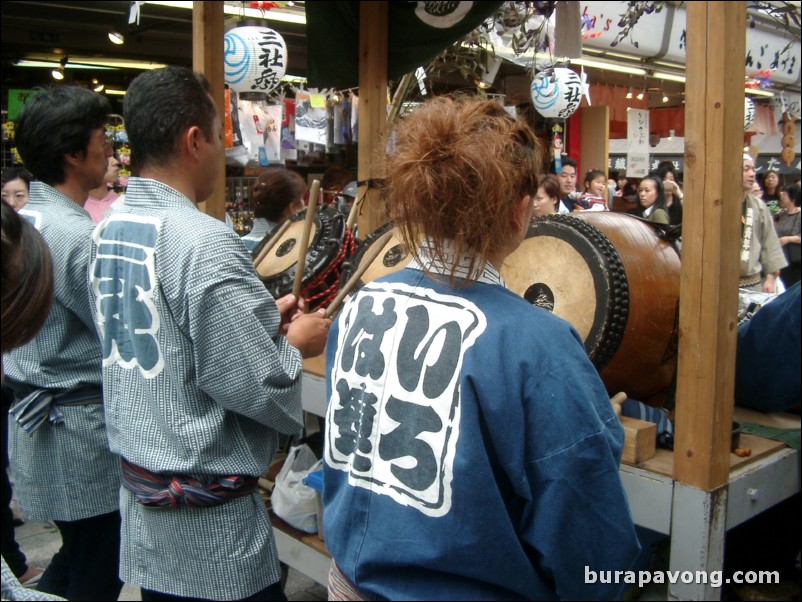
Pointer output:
190, 140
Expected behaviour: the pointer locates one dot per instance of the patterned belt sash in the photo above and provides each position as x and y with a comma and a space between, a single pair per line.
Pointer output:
752, 280
172, 490
32, 407
340, 588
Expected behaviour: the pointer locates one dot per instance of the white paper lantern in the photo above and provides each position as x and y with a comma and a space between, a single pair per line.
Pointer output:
556, 94
749, 112
255, 59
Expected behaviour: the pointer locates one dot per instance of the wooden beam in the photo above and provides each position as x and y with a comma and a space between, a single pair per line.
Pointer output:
373, 37
714, 111
208, 31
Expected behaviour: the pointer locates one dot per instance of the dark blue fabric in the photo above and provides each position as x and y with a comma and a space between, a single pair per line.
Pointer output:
767, 375
532, 494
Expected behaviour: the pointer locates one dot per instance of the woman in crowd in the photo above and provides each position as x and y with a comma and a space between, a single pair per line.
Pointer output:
277, 194
673, 192
449, 412
787, 225
770, 183
652, 200
547, 199
16, 187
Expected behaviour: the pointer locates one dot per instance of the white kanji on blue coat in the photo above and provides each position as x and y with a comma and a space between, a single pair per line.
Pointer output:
123, 283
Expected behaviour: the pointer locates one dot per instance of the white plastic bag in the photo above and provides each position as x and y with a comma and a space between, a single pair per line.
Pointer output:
292, 500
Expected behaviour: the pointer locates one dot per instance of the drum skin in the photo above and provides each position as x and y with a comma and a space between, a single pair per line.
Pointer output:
325, 255
616, 282
390, 259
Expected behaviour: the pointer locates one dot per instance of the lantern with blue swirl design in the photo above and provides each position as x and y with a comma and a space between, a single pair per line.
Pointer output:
556, 93
255, 59
749, 112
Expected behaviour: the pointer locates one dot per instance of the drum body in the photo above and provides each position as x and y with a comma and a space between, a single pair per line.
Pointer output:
330, 244
391, 258
617, 283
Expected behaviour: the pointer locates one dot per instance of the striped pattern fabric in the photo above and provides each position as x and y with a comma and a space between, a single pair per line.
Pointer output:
63, 471
170, 491
223, 388
340, 588
41, 405
12, 589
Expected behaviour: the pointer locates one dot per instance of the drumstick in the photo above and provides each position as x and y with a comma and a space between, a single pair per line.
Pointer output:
272, 242
310, 218
364, 264
349, 222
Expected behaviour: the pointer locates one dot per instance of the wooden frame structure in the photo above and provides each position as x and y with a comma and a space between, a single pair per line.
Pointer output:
698, 492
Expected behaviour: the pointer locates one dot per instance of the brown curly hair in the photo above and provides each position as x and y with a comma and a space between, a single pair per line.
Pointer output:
459, 167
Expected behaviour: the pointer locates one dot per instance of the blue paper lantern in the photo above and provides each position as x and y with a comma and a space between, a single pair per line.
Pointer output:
556, 93
255, 59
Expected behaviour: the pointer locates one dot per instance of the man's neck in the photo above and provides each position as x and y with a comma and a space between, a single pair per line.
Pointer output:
73, 190
99, 192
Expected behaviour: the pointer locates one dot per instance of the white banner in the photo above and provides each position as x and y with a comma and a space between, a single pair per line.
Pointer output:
637, 143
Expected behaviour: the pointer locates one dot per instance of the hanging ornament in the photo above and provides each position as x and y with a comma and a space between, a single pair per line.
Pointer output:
556, 93
749, 113
255, 59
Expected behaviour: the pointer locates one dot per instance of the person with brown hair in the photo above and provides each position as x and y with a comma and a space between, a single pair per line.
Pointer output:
547, 198
277, 194
449, 412
26, 283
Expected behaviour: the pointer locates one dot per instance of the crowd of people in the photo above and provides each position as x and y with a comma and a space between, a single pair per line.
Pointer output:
151, 375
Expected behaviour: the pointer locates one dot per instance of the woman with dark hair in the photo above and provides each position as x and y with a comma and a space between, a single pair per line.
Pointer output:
277, 194
787, 225
547, 199
770, 183
651, 196
442, 378
16, 187
673, 192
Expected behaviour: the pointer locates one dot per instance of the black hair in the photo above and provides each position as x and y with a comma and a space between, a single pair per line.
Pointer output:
55, 123
158, 108
665, 167
660, 203
794, 193
16, 173
566, 160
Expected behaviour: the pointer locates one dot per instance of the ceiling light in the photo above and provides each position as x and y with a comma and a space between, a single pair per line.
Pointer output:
99, 87
86, 62
629, 93
640, 94
270, 15
58, 73
609, 66
665, 96
115, 92
669, 76
116, 37
49, 65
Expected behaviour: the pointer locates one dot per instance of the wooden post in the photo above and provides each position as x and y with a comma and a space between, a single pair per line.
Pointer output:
714, 111
208, 31
373, 37
594, 140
